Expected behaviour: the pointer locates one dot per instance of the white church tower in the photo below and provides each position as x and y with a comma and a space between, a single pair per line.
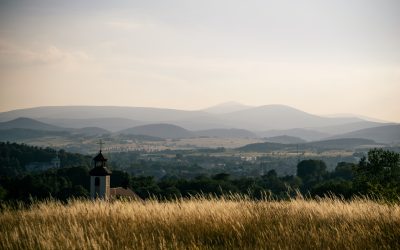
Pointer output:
100, 178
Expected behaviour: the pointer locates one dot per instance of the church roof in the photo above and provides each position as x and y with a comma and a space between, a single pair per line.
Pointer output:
99, 157
99, 171
124, 192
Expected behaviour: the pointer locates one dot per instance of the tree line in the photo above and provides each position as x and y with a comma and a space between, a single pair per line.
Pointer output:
377, 175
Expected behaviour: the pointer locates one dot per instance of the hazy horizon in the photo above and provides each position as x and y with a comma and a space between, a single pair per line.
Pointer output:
320, 57
223, 105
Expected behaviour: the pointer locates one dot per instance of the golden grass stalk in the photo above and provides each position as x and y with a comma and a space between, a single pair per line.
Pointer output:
203, 223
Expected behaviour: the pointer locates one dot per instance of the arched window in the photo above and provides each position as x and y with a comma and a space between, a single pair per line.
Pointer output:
97, 181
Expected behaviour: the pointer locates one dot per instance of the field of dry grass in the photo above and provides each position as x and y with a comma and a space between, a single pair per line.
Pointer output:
203, 224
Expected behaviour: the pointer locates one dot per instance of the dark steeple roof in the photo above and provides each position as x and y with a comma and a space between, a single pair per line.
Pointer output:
99, 157
100, 168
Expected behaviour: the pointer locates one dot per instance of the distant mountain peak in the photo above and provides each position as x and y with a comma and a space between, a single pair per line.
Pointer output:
227, 107
279, 107
27, 123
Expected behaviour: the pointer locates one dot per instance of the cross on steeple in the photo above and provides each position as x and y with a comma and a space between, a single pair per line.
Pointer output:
101, 143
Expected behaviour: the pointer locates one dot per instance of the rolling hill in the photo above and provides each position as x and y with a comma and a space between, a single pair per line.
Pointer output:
26, 128
17, 134
262, 118
27, 123
333, 144
142, 114
280, 117
227, 107
343, 143
159, 130
264, 147
348, 127
306, 134
384, 134
285, 139
112, 124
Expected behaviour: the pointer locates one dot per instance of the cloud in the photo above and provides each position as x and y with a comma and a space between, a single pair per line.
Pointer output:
18, 56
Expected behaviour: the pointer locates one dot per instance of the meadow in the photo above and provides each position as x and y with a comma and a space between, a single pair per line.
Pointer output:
202, 223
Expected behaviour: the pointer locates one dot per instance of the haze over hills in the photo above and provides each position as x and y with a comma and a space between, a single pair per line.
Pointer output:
27, 123
226, 107
385, 134
16, 134
91, 131
168, 131
345, 143
229, 119
159, 130
285, 139
280, 117
306, 134
226, 133
112, 124
27, 128
348, 127
363, 117
149, 115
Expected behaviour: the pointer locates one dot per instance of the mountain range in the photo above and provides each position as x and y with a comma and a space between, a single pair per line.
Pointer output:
225, 120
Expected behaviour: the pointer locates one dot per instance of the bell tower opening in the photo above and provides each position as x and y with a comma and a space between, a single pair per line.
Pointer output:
97, 181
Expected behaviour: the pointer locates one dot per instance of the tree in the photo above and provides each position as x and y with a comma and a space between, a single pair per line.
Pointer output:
120, 179
311, 171
379, 174
3, 193
221, 177
337, 187
344, 170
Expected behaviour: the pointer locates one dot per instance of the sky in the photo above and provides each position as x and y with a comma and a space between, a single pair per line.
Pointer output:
323, 57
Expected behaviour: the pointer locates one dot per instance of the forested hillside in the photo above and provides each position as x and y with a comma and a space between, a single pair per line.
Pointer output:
377, 175
14, 157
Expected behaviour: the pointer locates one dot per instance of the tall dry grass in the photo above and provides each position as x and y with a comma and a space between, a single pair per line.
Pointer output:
202, 223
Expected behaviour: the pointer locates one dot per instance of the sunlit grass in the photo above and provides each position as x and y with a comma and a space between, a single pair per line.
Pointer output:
203, 223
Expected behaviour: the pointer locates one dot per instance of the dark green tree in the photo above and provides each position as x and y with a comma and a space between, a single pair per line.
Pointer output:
311, 172
379, 174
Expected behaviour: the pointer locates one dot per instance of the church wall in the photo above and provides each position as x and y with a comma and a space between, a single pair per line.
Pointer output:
104, 189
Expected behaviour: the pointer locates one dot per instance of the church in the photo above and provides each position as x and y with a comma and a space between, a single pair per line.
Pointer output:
100, 182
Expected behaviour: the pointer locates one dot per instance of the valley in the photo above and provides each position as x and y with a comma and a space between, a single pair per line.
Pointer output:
153, 142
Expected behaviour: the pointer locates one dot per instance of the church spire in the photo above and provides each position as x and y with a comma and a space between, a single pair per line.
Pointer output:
100, 177
101, 143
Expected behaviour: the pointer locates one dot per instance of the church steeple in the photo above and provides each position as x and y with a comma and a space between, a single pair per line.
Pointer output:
99, 160
100, 177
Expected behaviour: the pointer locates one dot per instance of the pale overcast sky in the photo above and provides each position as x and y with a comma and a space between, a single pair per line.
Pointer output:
323, 57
